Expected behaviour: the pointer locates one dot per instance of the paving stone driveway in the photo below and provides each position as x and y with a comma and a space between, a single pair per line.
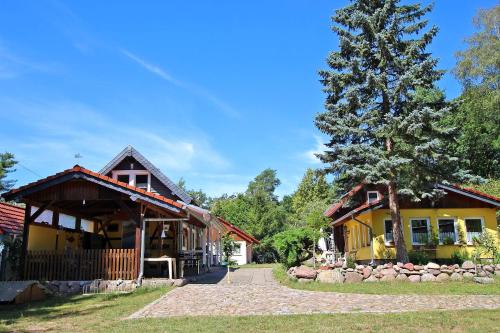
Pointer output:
255, 292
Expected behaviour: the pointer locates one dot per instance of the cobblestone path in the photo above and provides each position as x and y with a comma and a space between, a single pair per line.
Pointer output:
255, 292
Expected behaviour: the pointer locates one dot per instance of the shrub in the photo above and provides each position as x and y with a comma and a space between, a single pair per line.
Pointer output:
294, 246
486, 244
448, 241
418, 257
458, 257
264, 252
351, 261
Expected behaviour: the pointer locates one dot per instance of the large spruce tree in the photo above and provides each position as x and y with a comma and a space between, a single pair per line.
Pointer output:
383, 111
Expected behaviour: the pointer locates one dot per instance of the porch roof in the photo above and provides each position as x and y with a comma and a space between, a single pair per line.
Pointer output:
78, 172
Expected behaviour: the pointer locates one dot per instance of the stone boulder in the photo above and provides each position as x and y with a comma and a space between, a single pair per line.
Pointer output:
414, 278
434, 272
409, 266
367, 271
388, 271
388, 278
418, 267
443, 277
372, 278
330, 276
456, 277
468, 265
353, 277
428, 278
489, 268
468, 275
304, 272
180, 282
484, 280
432, 265
497, 272
402, 277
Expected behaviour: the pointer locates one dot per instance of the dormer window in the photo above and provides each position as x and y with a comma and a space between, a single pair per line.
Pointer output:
137, 178
372, 196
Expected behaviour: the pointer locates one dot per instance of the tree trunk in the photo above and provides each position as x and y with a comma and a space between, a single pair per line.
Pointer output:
397, 227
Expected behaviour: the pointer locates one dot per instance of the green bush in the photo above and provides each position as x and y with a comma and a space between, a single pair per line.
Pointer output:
448, 241
265, 252
351, 262
459, 256
294, 246
418, 257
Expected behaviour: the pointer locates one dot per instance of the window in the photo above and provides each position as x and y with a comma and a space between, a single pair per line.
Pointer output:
388, 235
474, 228
67, 221
237, 249
419, 231
137, 178
87, 225
45, 217
447, 233
372, 196
123, 178
141, 181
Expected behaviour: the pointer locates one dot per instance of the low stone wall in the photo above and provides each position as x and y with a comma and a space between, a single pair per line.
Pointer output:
431, 272
95, 286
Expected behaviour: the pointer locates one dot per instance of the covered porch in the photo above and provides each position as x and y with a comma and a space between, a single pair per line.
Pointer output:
81, 225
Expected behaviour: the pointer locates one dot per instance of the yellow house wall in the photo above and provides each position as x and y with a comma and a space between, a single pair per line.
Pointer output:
381, 251
44, 239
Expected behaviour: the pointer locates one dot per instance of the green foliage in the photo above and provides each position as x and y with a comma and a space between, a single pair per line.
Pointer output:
294, 246
486, 245
433, 240
265, 252
448, 241
462, 238
478, 143
491, 187
7, 162
256, 211
418, 257
479, 63
312, 188
228, 246
351, 261
459, 256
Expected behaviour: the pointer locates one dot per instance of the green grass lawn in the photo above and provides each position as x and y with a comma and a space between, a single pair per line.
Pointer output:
106, 313
393, 288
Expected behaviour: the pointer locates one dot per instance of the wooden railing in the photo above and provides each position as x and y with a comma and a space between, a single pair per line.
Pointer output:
110, 264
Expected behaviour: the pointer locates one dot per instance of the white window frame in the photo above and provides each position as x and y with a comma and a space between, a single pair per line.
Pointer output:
454, 225
132, 174
385, 233
368, 196
465, 225
428, 221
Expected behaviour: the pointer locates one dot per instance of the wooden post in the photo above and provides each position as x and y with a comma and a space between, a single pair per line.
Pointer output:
26, 232
137, 249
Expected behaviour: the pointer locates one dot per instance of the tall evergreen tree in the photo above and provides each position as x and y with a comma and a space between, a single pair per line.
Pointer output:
7, 163
384, 127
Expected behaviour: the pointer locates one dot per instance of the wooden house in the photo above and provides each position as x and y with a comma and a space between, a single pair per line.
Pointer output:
244, 243
125, 222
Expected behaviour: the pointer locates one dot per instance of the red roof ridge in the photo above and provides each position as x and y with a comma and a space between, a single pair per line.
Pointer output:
238, 231
469, 189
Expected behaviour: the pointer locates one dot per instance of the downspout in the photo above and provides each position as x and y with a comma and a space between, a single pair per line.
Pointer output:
372, 262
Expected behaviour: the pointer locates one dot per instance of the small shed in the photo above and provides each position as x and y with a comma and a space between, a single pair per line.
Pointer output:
19, 292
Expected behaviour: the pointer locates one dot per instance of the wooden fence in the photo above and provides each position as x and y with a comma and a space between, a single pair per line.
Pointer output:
109, 264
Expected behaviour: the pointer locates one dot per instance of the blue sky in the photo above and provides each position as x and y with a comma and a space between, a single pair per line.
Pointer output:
212, 91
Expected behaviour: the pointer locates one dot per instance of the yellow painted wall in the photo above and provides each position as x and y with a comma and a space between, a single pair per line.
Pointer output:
43, 238
376, 218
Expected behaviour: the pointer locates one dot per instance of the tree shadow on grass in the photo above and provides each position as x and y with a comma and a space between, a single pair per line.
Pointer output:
57, 307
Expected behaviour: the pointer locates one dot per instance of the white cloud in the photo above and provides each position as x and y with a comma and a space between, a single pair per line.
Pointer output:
13, 65
196, 90
55, 132
319, 147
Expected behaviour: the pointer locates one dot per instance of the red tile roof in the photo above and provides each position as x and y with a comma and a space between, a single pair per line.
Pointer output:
336, 206
11, 219
476, 192
79, 169
234, 229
